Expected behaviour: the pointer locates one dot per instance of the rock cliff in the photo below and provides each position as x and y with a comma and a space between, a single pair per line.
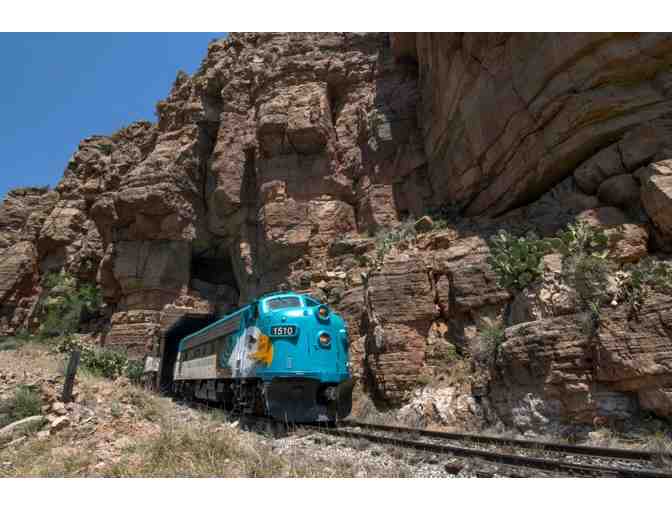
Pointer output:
286, 158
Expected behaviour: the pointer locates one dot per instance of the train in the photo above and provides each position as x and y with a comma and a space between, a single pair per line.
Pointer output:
283, 356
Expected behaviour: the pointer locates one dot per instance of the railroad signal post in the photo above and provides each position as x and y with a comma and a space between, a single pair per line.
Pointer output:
70, 374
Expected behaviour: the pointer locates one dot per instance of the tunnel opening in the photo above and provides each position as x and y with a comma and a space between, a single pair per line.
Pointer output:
184, 326
213, 277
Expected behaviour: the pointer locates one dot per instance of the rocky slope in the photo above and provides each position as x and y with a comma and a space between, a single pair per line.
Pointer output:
284, 154
117, 429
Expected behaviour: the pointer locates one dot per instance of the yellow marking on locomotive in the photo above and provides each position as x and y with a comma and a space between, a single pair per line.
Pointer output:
264, 352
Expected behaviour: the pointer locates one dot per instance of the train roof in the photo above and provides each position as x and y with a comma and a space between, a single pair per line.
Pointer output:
280, 293
214, 324
239, 311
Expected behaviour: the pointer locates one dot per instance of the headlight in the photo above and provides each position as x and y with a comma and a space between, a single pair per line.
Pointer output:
325, 339
323, 312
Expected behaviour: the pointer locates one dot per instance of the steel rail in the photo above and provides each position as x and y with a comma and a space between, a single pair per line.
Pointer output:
499, 458
591, 451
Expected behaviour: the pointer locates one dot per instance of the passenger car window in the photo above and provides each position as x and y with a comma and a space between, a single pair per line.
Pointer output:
284, 302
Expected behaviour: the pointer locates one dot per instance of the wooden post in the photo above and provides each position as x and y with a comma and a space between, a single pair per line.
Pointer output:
70, 376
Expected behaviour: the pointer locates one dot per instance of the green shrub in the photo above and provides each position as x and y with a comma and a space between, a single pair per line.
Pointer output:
585, 266
362, 260
5, 419
115, 410
21, 337
589, 276
385, 240
424, 379
100, 361
9, 344
106, 148
444, 216
517, 261
581, 238
640, 278
64, 304
493, 331
492, 336
106, 362
27, 402
449, 353
135, 369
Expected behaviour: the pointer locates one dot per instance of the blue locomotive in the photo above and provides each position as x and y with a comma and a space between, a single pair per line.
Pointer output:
285, 356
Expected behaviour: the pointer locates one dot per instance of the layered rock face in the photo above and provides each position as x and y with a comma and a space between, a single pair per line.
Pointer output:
279, 161
554, 369
507, 116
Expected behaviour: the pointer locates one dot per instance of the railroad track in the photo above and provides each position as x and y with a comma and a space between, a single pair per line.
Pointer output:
539, 458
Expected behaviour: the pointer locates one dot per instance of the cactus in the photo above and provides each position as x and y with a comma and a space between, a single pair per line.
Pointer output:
517, 261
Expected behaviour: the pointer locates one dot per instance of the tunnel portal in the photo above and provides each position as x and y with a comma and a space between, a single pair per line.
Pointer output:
185, 325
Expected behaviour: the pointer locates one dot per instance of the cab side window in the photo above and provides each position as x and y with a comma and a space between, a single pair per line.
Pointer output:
311, 302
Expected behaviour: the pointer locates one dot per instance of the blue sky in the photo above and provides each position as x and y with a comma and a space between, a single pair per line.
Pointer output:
59, 88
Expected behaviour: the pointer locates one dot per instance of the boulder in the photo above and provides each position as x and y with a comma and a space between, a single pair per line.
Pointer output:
599, 168
446, 406
657, 195
59, 424
657, 400
22, 426
424, 224
628, 241
473, 282
59, 408
636, 354
348, 246
620, 191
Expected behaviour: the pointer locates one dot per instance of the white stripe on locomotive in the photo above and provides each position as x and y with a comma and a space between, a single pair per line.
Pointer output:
239, 363
200, 368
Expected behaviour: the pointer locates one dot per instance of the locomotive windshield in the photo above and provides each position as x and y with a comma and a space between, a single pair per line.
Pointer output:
283, 302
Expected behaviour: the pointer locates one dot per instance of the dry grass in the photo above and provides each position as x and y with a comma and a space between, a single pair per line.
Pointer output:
135, 433
51, 457
24, 403
199, 450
